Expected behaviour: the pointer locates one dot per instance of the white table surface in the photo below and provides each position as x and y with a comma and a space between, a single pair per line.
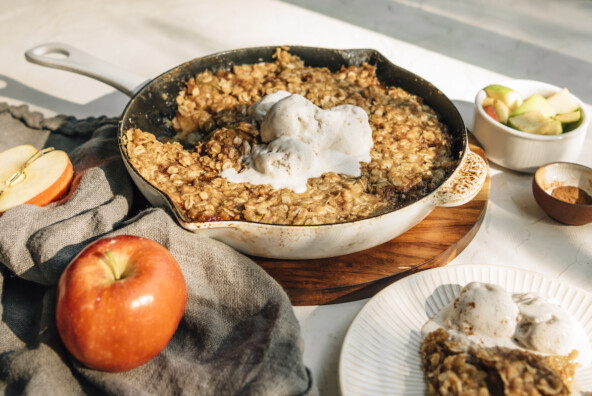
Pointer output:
459, 46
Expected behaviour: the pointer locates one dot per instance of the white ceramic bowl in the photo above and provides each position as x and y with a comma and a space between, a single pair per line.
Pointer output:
521, 151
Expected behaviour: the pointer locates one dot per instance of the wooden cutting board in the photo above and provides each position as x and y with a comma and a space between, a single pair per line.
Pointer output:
434, 242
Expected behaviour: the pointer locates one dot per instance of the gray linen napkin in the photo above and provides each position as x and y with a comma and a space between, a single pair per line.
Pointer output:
239, 335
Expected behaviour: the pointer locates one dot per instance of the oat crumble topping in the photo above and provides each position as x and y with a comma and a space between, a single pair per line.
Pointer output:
410, 158
453, 368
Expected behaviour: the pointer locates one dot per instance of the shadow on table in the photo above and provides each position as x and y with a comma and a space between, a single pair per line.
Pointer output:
427, 26
109, 104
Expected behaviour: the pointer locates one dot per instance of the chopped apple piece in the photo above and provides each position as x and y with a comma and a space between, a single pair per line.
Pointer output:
572, 116
502, 111
490, 110
556, 114
487, 101
535, 102
36, 177
563, 102
511, 98
535, 122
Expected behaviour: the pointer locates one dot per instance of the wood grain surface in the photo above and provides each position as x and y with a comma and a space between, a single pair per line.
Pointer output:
434, 242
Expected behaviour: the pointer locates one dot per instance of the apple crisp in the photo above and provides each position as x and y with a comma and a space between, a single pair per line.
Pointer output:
453, 367
410, 157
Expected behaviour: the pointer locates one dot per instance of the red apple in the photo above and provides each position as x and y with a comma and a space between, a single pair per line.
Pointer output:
119, 302
36, 177
490, 110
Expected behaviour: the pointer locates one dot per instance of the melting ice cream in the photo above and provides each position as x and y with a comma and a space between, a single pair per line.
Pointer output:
301, 140
489, 316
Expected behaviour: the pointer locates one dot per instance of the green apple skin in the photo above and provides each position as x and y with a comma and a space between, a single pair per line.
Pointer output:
572, 125
535, 122
567, 118
535, 102
511, 98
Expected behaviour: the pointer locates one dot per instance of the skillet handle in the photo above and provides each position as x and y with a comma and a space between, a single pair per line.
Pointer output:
465, 183
77, 61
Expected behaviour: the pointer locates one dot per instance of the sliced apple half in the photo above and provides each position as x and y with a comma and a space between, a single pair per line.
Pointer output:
536, 122
36, 177
563, 102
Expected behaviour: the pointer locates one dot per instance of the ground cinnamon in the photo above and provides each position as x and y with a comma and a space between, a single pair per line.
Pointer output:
573, 195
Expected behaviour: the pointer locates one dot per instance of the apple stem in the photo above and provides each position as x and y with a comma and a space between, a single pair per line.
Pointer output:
112, 263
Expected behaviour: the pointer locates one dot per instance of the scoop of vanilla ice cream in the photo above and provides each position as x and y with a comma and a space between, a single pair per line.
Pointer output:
303, 141
285, 156
294, 116
354, 135
485, 309
342, 128
545, 327
259, 109
283, 163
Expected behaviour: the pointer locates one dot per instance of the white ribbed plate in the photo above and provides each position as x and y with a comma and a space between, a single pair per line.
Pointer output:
380, 353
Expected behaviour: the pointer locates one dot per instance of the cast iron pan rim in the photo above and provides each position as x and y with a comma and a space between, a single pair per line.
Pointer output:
371, 56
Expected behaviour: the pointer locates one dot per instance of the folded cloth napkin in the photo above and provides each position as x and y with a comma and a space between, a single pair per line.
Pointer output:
239, 335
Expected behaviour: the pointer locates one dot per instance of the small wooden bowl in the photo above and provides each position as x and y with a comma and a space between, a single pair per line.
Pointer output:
557, 174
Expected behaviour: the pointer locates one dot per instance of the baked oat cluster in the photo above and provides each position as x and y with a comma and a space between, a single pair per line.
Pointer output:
411, 155
454, 368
